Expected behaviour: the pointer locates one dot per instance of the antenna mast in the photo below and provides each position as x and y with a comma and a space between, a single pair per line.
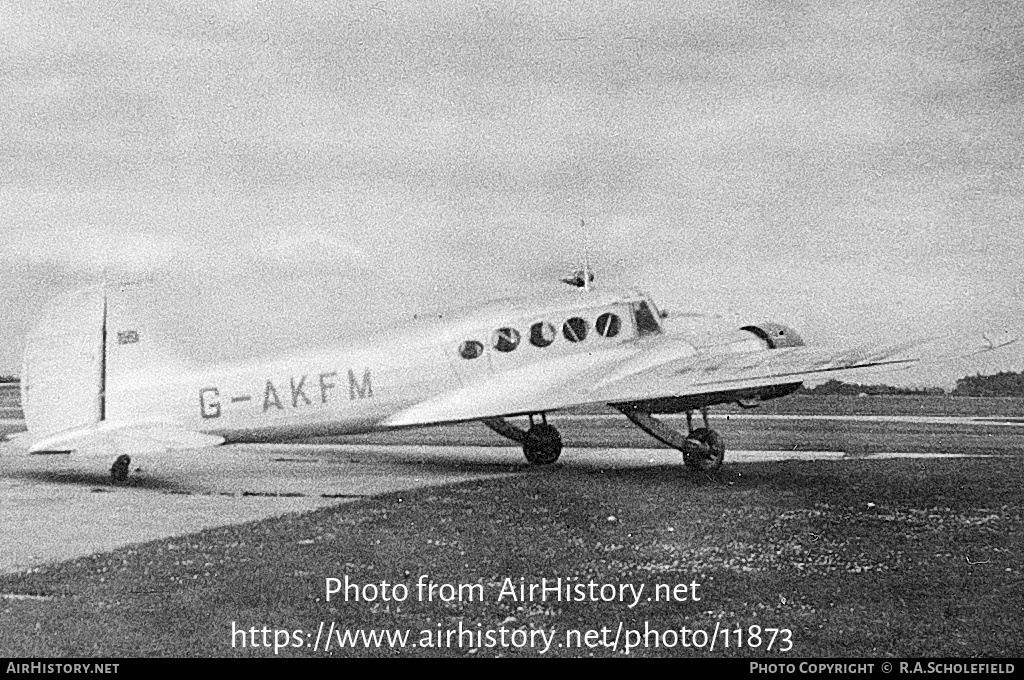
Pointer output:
587, 275
582, 278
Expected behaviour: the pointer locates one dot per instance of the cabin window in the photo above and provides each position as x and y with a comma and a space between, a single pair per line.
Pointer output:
471, 349
542, 334
608, 325
646, 324
575, 329
505, 339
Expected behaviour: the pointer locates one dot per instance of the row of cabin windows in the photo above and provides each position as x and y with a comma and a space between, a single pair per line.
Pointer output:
543, 334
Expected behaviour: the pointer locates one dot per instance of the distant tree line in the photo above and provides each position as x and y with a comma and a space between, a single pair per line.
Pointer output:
838, 387
1002, 384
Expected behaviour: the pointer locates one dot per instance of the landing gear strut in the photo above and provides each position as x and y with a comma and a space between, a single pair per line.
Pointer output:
542, 443
119, 470
702, 448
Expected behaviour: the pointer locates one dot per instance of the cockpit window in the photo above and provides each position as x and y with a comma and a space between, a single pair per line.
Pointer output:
575, 329
646, 324
542, 334
505, 339
471, 349
608, 325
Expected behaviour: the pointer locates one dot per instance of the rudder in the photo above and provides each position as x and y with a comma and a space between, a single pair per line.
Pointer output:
62, 378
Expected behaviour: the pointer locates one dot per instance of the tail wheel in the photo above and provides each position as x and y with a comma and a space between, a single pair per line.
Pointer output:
704, 450
543, 445
119, 470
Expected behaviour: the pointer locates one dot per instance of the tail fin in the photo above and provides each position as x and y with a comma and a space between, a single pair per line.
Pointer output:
63, 375
85, 356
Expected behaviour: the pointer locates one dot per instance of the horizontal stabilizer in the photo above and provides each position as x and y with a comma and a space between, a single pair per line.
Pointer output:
136, 438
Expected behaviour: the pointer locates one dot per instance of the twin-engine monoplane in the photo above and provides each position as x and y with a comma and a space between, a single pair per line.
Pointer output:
96, 381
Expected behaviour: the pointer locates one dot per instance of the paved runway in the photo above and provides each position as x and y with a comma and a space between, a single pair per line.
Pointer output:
987, 421
57, 508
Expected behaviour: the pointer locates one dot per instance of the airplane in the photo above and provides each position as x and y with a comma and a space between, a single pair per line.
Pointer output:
97, 381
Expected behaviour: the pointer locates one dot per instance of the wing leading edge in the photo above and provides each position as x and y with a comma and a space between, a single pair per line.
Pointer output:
670, 368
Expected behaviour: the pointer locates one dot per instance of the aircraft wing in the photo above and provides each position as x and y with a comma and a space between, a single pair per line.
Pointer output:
135, 438
663, 369
703, 374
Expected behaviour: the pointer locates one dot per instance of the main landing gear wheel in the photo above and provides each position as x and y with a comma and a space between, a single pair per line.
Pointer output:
704, 450
543, 445
119, 470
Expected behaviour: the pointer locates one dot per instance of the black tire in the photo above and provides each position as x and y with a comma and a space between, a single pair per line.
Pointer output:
544, 445
705, 450
119, 470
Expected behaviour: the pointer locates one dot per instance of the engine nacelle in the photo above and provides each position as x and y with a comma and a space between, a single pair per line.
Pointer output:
766, 335
775, 335
754, 338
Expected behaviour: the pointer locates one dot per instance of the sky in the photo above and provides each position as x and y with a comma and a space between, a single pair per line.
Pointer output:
268, 175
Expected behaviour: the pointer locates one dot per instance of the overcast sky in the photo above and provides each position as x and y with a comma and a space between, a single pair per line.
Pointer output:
272, 170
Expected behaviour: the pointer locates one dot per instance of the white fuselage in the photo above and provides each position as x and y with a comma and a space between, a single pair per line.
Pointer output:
356, 388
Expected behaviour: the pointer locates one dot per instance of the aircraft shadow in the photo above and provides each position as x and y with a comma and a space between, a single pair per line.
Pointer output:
441, 466
640, 470
100, 480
